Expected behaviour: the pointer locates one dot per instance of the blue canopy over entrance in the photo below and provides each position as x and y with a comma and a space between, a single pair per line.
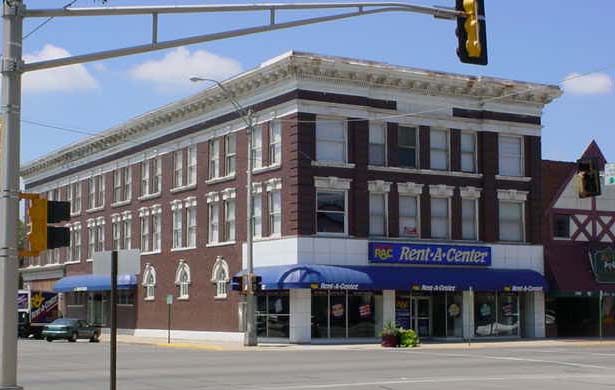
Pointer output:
335, 277
94, 283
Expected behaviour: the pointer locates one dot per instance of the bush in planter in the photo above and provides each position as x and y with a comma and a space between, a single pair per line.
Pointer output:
390, 335
408, 338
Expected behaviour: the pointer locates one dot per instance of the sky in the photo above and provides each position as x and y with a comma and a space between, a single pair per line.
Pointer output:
545, 41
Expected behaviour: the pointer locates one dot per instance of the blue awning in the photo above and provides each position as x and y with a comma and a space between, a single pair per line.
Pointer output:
336, 277
94, 283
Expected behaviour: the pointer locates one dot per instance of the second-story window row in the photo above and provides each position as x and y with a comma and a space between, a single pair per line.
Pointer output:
151, 176
122, 184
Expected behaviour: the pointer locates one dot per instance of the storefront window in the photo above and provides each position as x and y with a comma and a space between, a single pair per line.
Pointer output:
454, 318
273, 315
341, 314
496, 314
320, 314
338, 314
361, 318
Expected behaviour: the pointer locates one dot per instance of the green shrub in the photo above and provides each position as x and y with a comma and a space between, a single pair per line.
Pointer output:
389, 329
408, 338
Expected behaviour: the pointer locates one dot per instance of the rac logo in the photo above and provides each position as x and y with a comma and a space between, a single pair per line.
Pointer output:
383, 252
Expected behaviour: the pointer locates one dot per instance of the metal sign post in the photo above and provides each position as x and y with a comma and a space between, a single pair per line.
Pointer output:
169, 305
113, 362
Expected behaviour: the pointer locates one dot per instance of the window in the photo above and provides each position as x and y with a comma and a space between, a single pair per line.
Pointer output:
275, 143
257, 215
116, 232
91, 239
191, 224
220, 277
230, 145
191, 174
127, 183
561, 226
377, 215
157, 182
344, 314
438, 149
439, 218
177, 225
96, 192
274, 204
406, 146
74, 251
121, 184
468, 152
511, 155
151, 176
127, 230
182, 279
408, 216
377, 144
145, 177
178, 168
214, 158
273, 315
214, 222
149, 282
156, 229
144, 224
330, 140
331, 212
100, 235
257, 147
496, 314
511, 221
74, 197
468, 219
229, 220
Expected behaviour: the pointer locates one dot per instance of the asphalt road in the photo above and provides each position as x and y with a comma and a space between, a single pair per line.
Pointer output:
81, 365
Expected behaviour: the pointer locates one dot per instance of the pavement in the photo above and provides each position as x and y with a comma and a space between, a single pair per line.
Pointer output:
425, 345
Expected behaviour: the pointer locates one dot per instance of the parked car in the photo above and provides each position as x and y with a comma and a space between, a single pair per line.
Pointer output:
71, 329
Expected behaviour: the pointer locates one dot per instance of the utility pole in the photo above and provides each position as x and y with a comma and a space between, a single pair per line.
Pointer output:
12, 17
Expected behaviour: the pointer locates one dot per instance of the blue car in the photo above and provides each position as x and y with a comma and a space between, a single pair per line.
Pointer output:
71, 329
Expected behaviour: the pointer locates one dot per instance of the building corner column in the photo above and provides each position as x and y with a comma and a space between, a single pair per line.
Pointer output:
468, 315
388, 306
300, 315
535, 315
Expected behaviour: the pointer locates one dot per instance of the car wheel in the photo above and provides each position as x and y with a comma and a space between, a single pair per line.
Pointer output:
73, 337
95, 338
49, 339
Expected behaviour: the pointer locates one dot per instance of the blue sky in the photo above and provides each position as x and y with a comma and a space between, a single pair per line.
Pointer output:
528, 40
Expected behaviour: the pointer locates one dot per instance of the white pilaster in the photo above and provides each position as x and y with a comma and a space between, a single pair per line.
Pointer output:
300, 315
534, 315
468, 314
388, 303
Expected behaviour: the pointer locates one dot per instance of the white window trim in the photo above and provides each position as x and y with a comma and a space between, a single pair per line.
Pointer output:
220, 263
523, 227
417, 195
513, 195
410, 189
277, 163
470, 192
386, 144
476, 229
326, 118
448, 148
346, 232
441, 191
522, 144
149, 269
332, 183
182, 267
417, 141
449, 216
474, 135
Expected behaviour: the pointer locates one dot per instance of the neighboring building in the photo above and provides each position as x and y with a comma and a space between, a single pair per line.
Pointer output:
579, 252
357, 165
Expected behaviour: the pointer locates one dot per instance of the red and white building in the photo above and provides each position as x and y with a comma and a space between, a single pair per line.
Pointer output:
381, 193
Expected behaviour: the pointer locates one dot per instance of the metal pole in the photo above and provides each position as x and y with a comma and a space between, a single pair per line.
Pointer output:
600, 308
250, 338
169, 326
113, 362
9, 197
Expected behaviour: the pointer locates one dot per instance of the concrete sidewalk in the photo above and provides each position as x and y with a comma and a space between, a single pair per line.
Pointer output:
431, 345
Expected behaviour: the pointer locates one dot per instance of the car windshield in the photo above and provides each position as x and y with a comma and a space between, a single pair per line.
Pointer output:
63, 321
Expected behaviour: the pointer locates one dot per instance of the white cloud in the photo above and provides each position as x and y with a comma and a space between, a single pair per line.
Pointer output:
65, 79
174, 70
590, 84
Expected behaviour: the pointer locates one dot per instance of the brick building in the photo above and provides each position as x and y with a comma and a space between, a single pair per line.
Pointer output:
380, 193
579, 252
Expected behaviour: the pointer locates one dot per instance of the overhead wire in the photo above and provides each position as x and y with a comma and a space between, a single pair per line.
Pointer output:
44, 22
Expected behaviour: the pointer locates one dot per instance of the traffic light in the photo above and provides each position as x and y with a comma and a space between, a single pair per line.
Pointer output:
237, 283
42, 212
471, 32
247, 283
588, 178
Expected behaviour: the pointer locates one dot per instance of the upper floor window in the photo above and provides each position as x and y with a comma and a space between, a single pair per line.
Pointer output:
440, 226
156, 216
230, 145
149, 282
229, 219
511, 221
74, 197
408, 215
274, 204
561, 226
214, 158
377, 214
127, 230
331, 212
74, 251
406, 146
438, 149
468, 219
377, 143
182, 279
178, 168
191, 161
275, 143
257, 147
330, 140
220, 277
468, 152
96, 195
257, 210
511, 155
151, 176
177, 225
150, 220
121, 184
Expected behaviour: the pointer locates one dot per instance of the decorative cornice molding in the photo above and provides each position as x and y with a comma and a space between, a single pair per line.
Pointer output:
441, 190
332, 182
470, 192
379, 186
514, 195
410, 188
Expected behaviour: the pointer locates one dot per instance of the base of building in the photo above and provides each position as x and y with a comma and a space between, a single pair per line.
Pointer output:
190, 335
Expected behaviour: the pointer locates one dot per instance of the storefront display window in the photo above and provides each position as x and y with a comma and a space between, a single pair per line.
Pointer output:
430, 315
273, 315
496, 314
341, 314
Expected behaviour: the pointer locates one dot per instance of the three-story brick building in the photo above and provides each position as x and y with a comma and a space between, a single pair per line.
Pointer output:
381, 193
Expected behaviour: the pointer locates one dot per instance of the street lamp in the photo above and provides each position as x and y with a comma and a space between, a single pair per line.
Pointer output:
250, 338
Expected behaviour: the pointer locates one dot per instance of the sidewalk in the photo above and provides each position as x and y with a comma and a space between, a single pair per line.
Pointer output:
431, 345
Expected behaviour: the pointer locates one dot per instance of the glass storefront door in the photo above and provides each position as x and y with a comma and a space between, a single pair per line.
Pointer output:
97, 308
421, 315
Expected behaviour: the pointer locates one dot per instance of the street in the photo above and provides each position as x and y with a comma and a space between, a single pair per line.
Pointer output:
82, 365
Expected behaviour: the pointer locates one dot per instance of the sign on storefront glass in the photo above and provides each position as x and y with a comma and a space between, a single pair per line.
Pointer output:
429, 254
603, 265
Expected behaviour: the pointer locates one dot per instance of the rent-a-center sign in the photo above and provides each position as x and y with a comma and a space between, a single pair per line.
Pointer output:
428, 254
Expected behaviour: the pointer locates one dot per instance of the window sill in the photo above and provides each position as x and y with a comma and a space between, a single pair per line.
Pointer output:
513, 178
95, 209
332, 164
149, 299
73, 262
425, 171
267, 238
121, 203
216, 244
220, 297
183, 188
75, 214
187, 248
268, 168
151, 253
183, 298
220, 179
149, 196
89, 260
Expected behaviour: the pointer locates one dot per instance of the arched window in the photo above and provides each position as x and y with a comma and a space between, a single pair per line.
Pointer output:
220, 277
182, 279
149, 281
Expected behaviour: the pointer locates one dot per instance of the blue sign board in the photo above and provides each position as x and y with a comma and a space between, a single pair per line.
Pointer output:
429, 254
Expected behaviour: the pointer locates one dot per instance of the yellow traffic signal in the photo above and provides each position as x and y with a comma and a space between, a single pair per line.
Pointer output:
471, 32
37, 214
42, 212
